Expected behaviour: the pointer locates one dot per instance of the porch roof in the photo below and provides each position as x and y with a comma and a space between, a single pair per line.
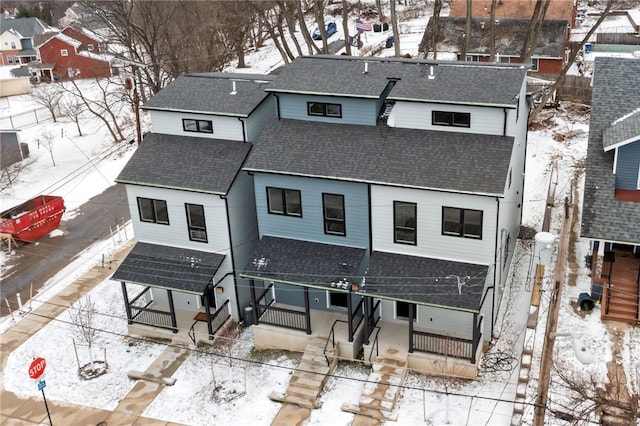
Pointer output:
305, 263
425, 281
172, 268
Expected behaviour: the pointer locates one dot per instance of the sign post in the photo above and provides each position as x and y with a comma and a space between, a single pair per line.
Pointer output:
36, 369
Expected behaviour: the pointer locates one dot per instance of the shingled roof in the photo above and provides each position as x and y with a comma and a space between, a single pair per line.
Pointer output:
218, 93
425, 159
509, 39
454, 82
616, 95
186, 163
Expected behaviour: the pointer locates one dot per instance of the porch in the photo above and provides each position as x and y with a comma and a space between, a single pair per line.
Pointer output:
617, 285
191, 327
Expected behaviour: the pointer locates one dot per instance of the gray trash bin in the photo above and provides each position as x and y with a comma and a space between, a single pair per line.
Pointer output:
585, 301
248, 315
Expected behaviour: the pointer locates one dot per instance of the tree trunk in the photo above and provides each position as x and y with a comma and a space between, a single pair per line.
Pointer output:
380, 10
345, 28
492, 38
437, 8
533, 30
394, 26
289, 11
467, 33
305, 31
318, 11
563, 74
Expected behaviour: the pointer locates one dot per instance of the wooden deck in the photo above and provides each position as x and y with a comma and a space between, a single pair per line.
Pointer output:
620, 300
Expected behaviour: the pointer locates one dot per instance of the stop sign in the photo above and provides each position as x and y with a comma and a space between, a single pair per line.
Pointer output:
37, 368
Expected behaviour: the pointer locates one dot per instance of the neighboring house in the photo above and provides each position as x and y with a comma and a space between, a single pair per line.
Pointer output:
68, 57
89, 41
192, 207
389, 199
547, 58
611, 208
25, 30
515, 9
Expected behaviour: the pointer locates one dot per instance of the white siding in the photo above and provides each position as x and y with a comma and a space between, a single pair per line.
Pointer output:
430, 241
416, 115
170, 123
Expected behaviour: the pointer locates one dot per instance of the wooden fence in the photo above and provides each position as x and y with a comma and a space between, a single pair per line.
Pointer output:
574, 88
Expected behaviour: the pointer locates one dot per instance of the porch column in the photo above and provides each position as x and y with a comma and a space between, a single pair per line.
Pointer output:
127, 307
411, 310
350, 316
476, 337
172, 311
366, 319
307, 310
208, 311
252, 286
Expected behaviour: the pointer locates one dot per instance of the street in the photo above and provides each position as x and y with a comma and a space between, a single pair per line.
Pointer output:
35, 263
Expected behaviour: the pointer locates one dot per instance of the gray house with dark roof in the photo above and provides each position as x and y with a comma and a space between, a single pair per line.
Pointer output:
192, 206
611, 209
388, 194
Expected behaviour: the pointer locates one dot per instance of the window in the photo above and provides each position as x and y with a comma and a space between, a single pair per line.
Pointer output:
337, 299
10, 59
153, 211
324, 110
200, 126
90, 47
196, 223
505, 59
448, 118
64, 52
473, 58
462, 222
284, 201
333, 206
534, 64
404, 220
402, 310
13, 45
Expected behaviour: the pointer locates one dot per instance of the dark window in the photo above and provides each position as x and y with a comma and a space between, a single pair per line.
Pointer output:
535, 63
324, 109
402, 310
333, 206
404, 220
284, 201
196, 222
153, 211
449, 118
338, 299
462, 222
200, 126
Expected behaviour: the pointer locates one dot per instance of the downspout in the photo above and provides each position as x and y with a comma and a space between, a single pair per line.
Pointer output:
495, 269
504, 125
233, 266
244, 130
278, 106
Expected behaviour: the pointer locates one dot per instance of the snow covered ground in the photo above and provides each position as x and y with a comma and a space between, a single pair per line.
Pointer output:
231, 387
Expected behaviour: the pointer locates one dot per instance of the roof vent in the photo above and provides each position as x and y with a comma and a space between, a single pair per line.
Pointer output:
431, 75
366, 68
233, 90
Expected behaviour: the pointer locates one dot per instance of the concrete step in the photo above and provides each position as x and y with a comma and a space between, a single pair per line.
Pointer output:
381, 415
295, 399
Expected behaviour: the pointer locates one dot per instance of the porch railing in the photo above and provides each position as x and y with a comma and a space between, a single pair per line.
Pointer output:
375, 345
142, 314
217, 321
274, 315
372, 321
357, 315
451, 346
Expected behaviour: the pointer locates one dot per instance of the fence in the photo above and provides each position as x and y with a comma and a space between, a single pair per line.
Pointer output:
574, 88
25, 119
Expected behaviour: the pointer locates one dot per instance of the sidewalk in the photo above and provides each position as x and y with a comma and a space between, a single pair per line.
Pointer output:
16, 410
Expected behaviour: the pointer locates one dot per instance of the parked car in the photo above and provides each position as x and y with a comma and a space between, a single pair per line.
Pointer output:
330, 27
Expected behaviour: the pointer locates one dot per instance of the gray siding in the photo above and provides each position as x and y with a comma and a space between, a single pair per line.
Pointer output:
354, 111
310, 227
627, 166
318, 299
417, 115
170, 123
260, 117
244, 229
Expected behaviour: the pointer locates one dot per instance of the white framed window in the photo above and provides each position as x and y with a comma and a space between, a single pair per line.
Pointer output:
535, 64
64, 52
90, 47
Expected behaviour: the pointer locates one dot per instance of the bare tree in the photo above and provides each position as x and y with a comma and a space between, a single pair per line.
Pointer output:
235, 21
48, 140
304, 29
48, 95
560, 80
467, 33
533, 30
345, 27
394, 27
318, 11
288, 10
82, 316
432, 38
72, 108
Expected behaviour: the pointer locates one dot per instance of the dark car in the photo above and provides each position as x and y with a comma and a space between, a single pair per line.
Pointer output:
330, 27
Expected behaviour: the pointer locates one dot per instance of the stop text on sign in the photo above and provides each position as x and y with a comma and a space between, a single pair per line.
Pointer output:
37, 368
